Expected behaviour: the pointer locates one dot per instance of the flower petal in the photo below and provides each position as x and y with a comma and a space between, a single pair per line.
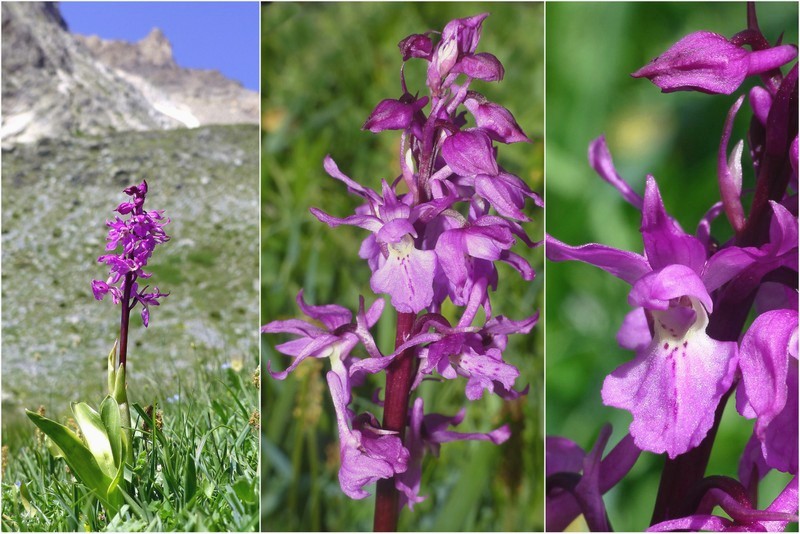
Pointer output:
664, 241
625, 265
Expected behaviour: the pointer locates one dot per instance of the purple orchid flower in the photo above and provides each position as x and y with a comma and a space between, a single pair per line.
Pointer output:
368, 453
336, 341
138, 235
677, 379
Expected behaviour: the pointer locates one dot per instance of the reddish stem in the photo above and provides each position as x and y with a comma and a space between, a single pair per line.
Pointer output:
399, 377
125, 319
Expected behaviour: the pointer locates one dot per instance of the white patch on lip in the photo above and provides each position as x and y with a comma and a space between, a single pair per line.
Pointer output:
402, 249
673, 324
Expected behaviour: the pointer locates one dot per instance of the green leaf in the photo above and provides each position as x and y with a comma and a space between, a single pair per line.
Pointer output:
245, 490
109, 413
77, 455
189, 479
94, 433
112, 368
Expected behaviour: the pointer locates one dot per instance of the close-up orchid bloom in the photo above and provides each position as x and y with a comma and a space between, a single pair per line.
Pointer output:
701, 386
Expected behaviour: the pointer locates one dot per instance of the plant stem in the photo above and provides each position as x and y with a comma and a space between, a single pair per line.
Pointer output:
124, 320
399, 377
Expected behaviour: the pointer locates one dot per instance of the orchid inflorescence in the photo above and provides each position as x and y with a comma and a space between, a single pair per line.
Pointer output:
138, 234
691, 297
435, 233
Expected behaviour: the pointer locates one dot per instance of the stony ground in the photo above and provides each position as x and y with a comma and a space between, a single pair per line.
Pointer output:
56, 196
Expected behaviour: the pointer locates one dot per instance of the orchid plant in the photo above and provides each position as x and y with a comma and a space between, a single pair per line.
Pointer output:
693, 299
434, 234
97, 455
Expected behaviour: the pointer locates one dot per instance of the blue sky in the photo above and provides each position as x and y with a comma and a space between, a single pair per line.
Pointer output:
204, 35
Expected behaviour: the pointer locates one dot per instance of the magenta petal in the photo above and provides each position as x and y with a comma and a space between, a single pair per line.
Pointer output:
408, 482
484, 370
664, 241
99, 289
416, 45
729, 171
727, 264
752, 467
506, 193
292, 326
465, 32
331, 315
701, 61
780, 436
562, 508
672, 388
634, 334
393, 114
354, 187
469, 153
367, 222
783, 232
495, 120
769, 381
785, 502
600, 160
483, 66
761, 102
313, 349
406, 275
628, 266
588, 491
764, 361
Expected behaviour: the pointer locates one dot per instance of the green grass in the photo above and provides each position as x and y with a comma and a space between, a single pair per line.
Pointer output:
591, 49
325, 67
199, 472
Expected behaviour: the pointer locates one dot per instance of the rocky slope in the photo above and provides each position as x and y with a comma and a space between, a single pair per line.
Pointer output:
56, 84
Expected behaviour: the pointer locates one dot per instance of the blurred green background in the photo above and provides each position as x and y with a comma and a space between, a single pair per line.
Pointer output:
591, 49
324, 68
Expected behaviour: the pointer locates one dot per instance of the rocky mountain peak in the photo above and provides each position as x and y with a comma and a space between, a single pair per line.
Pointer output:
156, 48
56, 84
154, 51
